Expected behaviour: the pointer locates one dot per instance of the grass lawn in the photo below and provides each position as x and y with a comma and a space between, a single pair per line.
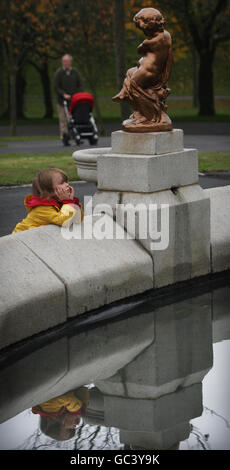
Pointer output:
20, 169
178, 110
214, 161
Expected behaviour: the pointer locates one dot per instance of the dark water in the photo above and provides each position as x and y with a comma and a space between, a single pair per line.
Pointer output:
158, 377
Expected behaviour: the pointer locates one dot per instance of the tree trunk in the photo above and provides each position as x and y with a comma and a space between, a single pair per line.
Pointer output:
97, 110
45, 79
119, 38
6, 103
13, 102
20, 97
195, 78
1, 82
206, 89
20, 93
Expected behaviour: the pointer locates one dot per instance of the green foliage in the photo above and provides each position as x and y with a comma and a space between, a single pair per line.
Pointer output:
41, 30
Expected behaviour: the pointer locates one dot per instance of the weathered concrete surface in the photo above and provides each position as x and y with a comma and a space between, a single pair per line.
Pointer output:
32, 296
149, 143
188, 252
134, 178
95, 272
220, 227
86, 162
108, 199
48, 278
147, 173
153, 415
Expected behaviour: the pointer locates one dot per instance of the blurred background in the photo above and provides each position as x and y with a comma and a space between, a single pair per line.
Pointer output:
103, 40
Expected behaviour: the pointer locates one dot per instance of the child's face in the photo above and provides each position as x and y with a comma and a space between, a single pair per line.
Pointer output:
65, 186
70, 421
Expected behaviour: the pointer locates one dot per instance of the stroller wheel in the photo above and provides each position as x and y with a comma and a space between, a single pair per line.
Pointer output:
65, 139
93, 140
78, 140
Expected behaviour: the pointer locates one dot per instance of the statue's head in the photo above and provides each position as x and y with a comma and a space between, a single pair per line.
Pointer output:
149, 20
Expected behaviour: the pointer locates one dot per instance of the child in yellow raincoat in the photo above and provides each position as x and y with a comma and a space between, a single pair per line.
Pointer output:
60, 415
52, 201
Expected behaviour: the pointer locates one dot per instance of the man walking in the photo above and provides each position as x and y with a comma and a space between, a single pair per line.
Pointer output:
67, 81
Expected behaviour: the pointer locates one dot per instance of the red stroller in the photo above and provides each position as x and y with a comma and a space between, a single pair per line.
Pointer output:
81, 123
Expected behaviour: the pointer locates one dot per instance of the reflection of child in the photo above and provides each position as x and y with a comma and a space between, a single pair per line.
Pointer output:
52, 201
60, 415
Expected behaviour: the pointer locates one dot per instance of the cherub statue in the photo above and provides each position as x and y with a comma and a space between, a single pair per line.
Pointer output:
146, 86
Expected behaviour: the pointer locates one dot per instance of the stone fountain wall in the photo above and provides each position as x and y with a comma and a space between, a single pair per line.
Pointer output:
47, 278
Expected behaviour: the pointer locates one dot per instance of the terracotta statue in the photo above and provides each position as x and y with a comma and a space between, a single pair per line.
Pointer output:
146, 86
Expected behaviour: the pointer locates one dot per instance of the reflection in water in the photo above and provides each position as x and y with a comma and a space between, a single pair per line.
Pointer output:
131, 383
214, 424
60, 415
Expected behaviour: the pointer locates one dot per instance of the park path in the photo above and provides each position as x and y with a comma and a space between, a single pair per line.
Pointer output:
204, 143
189, 128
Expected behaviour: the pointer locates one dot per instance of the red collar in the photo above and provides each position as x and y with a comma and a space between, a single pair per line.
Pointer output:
34, 201
38, 411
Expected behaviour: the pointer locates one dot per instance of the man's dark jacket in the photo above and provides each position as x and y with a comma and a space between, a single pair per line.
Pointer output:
68, 84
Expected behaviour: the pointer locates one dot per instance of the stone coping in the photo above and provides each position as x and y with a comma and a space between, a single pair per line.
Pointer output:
48, 279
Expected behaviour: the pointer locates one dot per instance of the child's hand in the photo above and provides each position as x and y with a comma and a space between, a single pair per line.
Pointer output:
71, 192
64, 191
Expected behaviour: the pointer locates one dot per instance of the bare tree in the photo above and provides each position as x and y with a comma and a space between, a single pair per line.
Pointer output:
208, 24
120, 50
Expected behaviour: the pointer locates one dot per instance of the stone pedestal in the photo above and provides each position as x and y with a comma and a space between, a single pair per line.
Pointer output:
146, 163
147, 173
151, 143
149, 183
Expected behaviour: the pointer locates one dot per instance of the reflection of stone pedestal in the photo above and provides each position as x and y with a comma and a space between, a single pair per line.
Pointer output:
153, 398
179, 356
168, 439
153, 170
153, 415
159, 423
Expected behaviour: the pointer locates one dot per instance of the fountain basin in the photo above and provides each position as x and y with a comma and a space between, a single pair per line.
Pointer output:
86, 161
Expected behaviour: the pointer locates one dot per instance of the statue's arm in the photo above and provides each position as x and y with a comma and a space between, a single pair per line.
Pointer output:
148, 45
144, 46
140, 48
